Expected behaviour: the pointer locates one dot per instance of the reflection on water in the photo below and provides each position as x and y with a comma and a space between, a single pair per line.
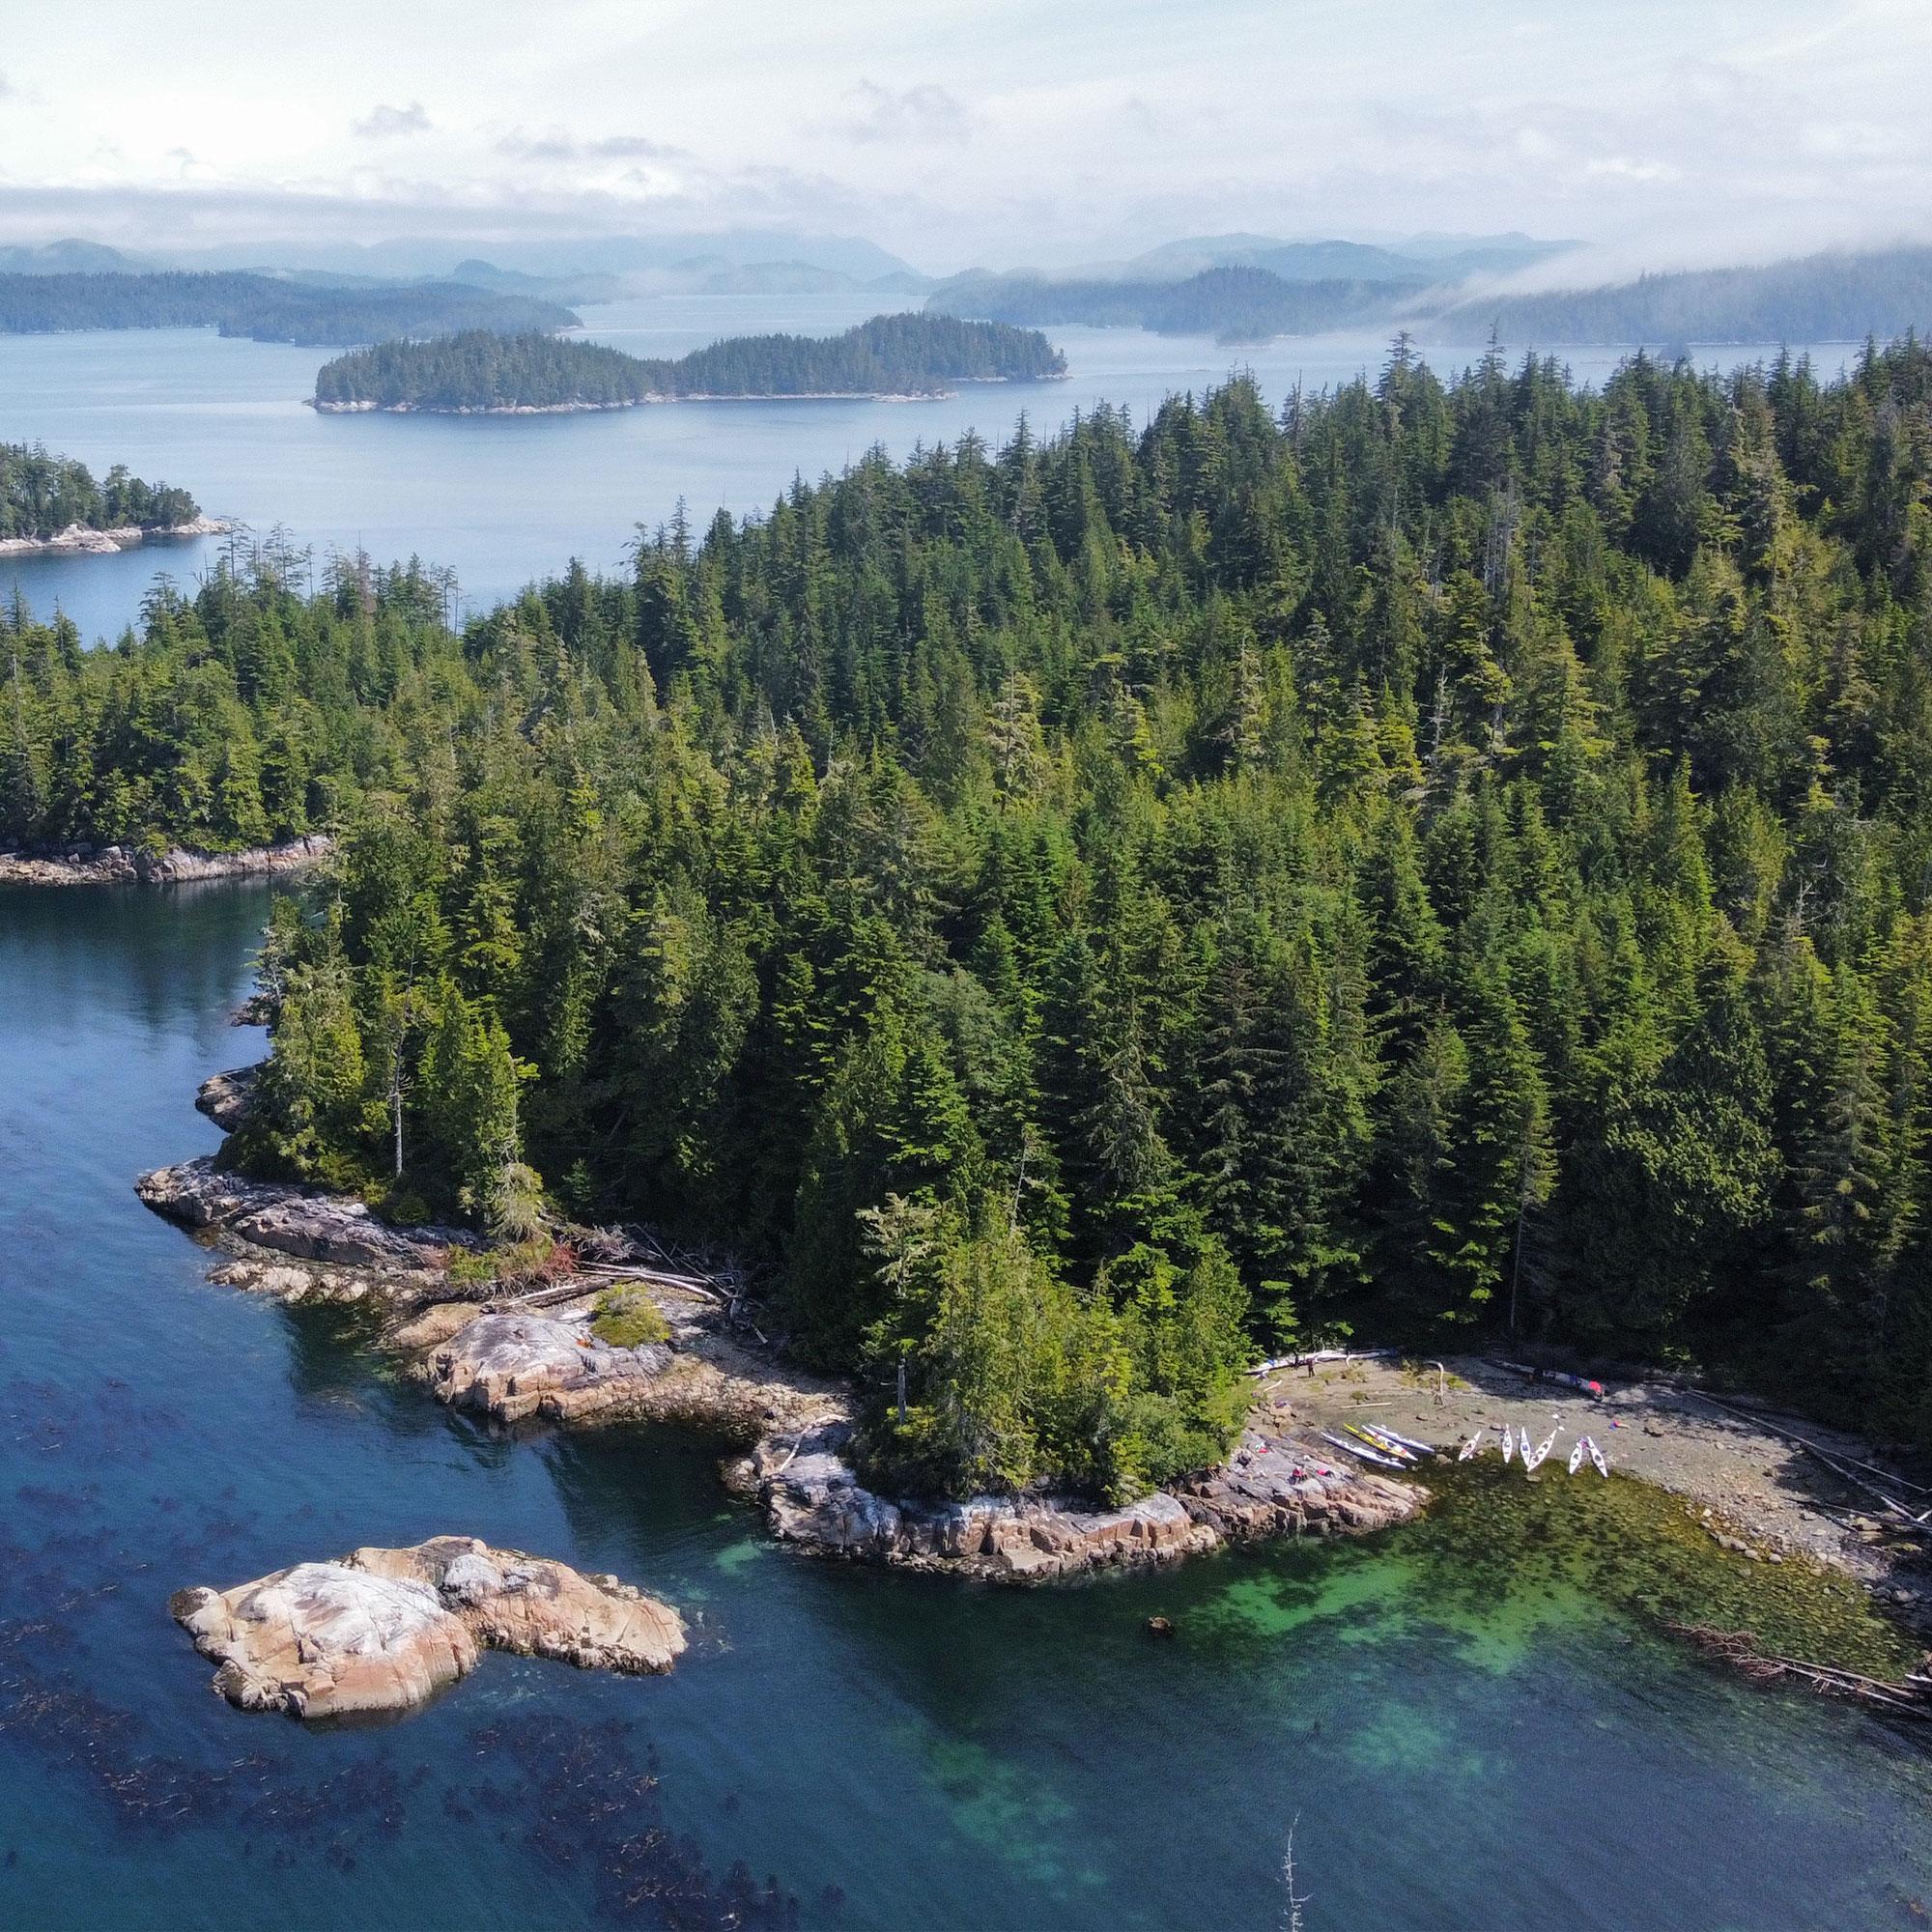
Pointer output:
1474, 1719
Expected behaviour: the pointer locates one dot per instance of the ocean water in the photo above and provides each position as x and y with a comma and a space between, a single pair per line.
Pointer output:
1455, 1737
505, 500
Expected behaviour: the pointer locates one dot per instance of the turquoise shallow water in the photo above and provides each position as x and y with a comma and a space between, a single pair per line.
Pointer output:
893, 1751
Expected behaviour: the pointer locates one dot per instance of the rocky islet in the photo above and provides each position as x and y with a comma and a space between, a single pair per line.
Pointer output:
386, 1630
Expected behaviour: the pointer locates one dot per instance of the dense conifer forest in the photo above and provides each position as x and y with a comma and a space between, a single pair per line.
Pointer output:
263, 307
889, 355
1425, 862
41, 494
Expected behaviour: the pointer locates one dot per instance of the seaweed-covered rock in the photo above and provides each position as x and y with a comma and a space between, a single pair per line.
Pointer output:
385, 1630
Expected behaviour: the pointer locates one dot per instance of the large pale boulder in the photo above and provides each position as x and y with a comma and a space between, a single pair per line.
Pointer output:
385, 1630
512, 1366
322, 1640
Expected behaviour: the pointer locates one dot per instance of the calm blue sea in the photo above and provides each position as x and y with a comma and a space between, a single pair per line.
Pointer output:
503, 499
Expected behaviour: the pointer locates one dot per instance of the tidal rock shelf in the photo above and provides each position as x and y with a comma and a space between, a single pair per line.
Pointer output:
793, 1434
386, 1630
305, 1222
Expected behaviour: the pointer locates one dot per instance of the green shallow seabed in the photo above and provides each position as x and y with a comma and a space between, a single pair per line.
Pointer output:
1499, 1559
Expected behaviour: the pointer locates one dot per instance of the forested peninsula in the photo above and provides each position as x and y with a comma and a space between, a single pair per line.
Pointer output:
1830, 298
478, 373
42, 495
1435, 861
263, 308
1233, 303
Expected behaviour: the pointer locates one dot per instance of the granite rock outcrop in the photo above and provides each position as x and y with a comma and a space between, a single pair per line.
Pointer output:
386, 1630
1272, 1486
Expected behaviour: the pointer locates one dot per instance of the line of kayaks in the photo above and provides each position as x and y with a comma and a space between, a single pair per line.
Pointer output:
1532, 1458
1373, 1443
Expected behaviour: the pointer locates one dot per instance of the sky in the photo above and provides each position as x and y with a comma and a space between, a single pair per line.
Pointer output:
1663, 132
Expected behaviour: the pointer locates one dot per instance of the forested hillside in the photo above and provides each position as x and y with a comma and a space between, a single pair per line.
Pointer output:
41, 494
261, 307
890, 355
1429, 859
1830, 298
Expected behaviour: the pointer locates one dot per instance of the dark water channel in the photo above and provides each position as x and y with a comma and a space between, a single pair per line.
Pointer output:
893, 1752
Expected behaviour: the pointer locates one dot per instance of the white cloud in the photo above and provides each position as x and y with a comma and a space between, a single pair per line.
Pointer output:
384, 123
926, 112
1092, 129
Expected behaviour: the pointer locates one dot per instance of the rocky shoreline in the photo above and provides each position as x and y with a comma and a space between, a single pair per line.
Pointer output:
386, 1630
82, 865
80, 539
536, 1358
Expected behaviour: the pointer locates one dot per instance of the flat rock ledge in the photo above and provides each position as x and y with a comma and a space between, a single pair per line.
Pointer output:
386, 1630
300, 1221
86, 864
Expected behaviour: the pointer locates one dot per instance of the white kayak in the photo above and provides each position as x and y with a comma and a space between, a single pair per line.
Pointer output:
1509, 1442
1532, 1462
1577, 1454
1362, 1450
1471, 1447
1597, 1457
1408, 1442
1523, 1449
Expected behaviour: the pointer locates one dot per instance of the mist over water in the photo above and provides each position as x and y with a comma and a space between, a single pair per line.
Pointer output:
505, 500
1467, 1733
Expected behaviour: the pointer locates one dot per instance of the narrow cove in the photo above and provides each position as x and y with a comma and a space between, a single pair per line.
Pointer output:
1474, 1718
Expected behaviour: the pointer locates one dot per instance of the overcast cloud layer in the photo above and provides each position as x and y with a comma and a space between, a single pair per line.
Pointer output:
990, 132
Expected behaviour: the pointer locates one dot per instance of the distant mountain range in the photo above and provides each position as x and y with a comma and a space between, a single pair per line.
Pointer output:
1238, 287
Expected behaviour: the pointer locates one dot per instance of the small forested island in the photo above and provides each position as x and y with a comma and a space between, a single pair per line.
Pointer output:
479, 373
1438, 861
43, 497
267, 308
